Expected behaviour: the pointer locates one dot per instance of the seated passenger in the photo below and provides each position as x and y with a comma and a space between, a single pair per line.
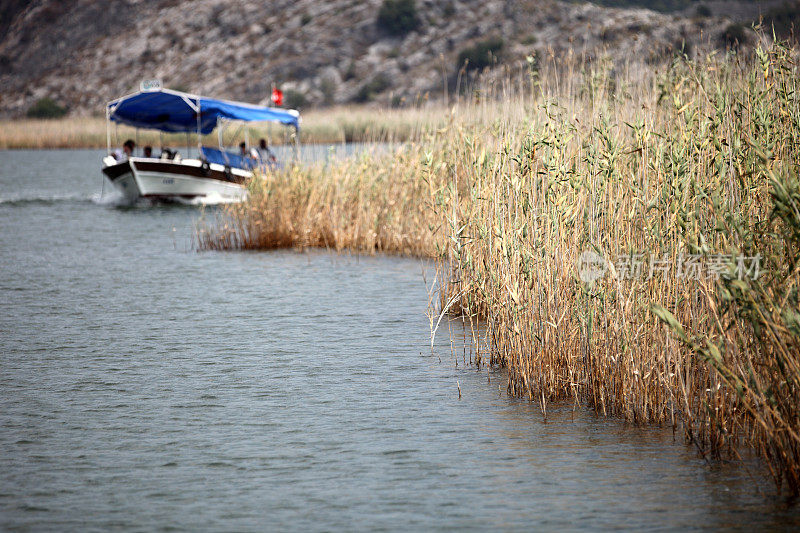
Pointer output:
147, 152
126, 152
264, 154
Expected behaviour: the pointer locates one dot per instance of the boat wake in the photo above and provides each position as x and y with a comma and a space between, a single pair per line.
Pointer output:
23, 200
118, 200
109, 198
208, 200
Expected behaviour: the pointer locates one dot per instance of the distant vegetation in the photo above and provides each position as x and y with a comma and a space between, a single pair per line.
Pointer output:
734, 35
9, 9
481, 55
398, 17
784, 18
664, 6
372, 88
293, 99
46, 108
331, 125
703, 11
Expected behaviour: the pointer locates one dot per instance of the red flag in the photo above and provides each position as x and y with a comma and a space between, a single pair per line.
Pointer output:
277, 96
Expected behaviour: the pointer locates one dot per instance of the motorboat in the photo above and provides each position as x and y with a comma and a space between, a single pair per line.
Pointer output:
214, 175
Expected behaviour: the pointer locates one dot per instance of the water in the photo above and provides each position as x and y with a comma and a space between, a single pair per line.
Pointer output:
144, 385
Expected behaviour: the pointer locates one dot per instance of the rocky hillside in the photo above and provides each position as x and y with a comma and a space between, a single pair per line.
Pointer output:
83, 53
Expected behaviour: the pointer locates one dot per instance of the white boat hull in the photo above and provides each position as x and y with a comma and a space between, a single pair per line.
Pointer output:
187, 181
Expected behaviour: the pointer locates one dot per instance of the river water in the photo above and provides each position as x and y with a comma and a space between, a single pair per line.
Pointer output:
144, 385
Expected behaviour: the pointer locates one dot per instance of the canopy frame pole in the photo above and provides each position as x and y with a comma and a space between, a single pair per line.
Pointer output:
108, 132
199, 129
296, 147
221, 123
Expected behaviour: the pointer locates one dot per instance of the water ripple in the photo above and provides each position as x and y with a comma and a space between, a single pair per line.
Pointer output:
145, 386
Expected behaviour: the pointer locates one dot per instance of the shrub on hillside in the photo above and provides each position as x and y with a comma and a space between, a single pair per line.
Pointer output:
293, 99
703, 11
372, 88
665, 6
328, 87
46, 108
785, 19
733, 36
481, 55
398, 17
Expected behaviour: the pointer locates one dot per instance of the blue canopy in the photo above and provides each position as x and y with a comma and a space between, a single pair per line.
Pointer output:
174, 111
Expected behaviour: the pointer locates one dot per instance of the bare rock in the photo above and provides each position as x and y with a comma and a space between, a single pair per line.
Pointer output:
85, 53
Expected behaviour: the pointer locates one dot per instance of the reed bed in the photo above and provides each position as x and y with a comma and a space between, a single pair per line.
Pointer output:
665, 185
330, 125
354, 204
696, 166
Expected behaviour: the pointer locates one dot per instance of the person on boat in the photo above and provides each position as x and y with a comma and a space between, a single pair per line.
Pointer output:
126, 152
147, 151
248, 158
264, 155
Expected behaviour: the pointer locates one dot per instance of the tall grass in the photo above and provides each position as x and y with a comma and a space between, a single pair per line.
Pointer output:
351, 205
699, 162
650, 172
332, 125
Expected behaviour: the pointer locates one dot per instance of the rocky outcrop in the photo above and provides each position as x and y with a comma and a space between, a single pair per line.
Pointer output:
84, 53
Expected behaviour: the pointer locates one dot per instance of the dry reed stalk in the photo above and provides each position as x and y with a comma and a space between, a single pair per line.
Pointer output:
345, 206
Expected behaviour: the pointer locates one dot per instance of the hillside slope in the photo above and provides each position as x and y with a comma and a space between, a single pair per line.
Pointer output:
86, 53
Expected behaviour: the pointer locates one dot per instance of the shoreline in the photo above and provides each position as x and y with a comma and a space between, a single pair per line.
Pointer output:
176, 145
318, 126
